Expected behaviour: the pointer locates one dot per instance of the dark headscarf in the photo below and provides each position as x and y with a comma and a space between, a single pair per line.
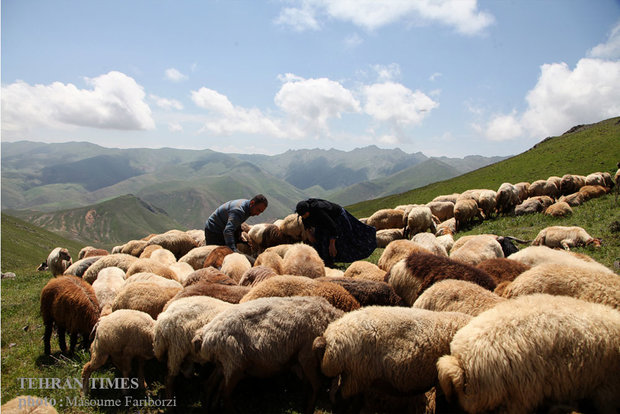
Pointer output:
302, 208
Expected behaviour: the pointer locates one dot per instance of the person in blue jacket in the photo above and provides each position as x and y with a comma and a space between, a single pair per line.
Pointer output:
223, 227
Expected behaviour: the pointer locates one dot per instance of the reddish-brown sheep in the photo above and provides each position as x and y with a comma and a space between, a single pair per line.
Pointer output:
208, 274
367, 292
227, 293
216, 257
502, 269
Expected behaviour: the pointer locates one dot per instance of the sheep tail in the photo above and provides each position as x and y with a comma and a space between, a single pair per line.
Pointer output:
451, 376
318, 347
518, 240
93, 332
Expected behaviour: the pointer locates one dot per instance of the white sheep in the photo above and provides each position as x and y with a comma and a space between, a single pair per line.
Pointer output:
303, 260
123, 335
151, 266
429, 242
447, 241
475, 249
121, 260
507, 198
362, 269
152, 278
57, 261
163, 256
447, 227
536, 348
447, 197
106, 287
443, 210
565, 237
235, 265
387, 219
419, 220
397, 250
386, 236
453, 295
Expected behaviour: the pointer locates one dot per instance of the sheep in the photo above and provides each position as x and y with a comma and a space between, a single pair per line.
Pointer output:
507, 198
443, 210
559, 209
453, 295
447, 241
79, 268
28, 404
124, 335
397, 250
465, 210
555, 180
617, 181
570, 184
367, 292
182, 270
151, 266
196, 257
589, 192
163, 256
288, 285
502, 269
69, 303
175, 329
198, 235
147, 297
57, 261
108, 284
595, 179
293, 227
264, 235
226, 293
524, 190
333, 273
387, 348
134, 247
535, 349
364, 270
419, 220
272, 260
413, 275
216, 257
255, 275
448, 197
476, 249
235, 265
178, 242
535, 255
263, 337
565, 237
121, 260
279, 250
582, 281
544, 188
573, 200
303, 260
430, 243
447, 227
209, 274
387, 218
386, 236
152, 277
487, 201
95, 252
529, 206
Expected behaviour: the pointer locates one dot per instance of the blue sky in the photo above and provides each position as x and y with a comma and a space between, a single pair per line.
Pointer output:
453, 77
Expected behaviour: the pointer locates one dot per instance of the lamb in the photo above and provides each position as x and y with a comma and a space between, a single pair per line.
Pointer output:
196, 257
272, 260
262, 337
589, 192
443, 210
216, 257
582, 281
502, 269
79, 268
287, 285
430, 243
386, 347
386, 236
559, 209
255, 275
178, 242
124, 335
303, 260
535, 349
477, 249
419, 271
226, 293
507, 198
364, 270
176, 327
208, 274
106, 287
397, 250
367, 292
235, 265
70, 304
570, 184
565, 237
147, 297
121, 260
453, 295
57, 261
419, 220
151, 266
387, 219
465, 210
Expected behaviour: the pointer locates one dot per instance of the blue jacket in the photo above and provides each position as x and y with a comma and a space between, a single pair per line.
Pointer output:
227, 218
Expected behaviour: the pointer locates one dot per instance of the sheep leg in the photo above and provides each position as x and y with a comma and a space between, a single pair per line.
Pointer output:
229, 385
309, 365
72, 342
47, 337
96, 361
61, 340
212, 388
141, 380
567, 244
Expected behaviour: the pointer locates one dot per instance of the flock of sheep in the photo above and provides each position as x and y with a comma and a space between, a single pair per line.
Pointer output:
436, 323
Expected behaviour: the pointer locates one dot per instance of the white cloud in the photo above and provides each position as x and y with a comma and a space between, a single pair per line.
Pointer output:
397, 104
463, 15
353, 40
387, 73
166, 103
435, 76
611, 48
175, 127
312, 102
563, 98
174, 75
115, 101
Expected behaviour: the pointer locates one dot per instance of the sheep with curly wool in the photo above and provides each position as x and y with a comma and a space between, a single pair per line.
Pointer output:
148, 251
387, 218
453, 295
507, 198
559, 209
386, 236
303, 260
175, 329
263, 337
152, 277
235, 265
502, 269
208, 274
419, 271
429, 242
288, 285
106, 287
123, 336
151, 266
585, 281
367, 292
419, 220
178, 242
196, 257
388, 348
134, 247
476, 249
589, 192
121, 260
533, 350
272, 260
565, 237
145, 296
465, 211
226, 293
70, 304
571, 183
443, 210
255, 275
364, 270
397, 250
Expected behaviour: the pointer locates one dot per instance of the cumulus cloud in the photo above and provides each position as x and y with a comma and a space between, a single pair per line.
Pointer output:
174, 75
115, 101
314, 101
462, 15
175, 127
165, 103
299, 19
611, 48
397, 104
387, 72
563, 98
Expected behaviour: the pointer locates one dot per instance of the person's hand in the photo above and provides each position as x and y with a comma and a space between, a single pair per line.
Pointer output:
332, 248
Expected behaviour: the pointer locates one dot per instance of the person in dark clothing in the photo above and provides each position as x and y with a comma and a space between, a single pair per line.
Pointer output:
335, 233
223, 227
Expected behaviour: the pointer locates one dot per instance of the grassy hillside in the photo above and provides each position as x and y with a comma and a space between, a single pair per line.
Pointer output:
585, 150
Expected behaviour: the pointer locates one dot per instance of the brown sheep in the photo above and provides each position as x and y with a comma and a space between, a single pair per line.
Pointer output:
524, 190
151, 266
69, 303
573, 200
255, 275
134, 247
178, 242
226, 293
387, 219
502, 269
148, 251
216, 257
148, 297
95, 252
270, 259
465, 210
571, 183
443, 210
208, 274
397, 250
589, 192
362, 269
386, 236
367, 292
559, 209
